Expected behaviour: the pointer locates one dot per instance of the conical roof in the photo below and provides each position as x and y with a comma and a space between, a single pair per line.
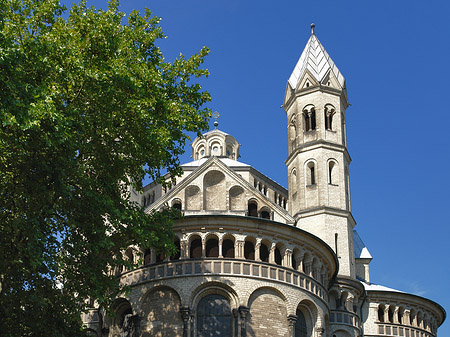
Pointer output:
316, 59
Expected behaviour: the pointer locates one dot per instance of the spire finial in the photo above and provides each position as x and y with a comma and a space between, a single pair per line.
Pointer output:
313, 25
216, 115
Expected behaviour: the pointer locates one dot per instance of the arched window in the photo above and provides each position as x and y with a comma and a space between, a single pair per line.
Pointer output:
249, 250
309, 116
212, 247
400, 315
228, 248
214, 316
301, 329
264, 253
329, 112
265, 213
391, 314
277, 256
310, 174
195, 250
332, 177
294, 262
381, 313
252, 208
176, 204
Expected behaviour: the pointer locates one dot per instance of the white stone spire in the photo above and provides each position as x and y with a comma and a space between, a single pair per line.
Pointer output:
317, 61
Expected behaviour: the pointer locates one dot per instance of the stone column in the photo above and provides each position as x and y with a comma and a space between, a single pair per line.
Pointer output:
235, 313
243, 311
203, 248
287, 258
406, 319
220, 247
185, 316
192, 329
272, 253
184, 249
300, 262
291, 320
386, 314
239, 250
257, 250
396, 316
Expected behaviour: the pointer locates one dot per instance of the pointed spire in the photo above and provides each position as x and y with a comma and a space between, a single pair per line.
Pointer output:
315, 58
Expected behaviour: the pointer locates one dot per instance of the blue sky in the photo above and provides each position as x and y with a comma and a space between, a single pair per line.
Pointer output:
395, 58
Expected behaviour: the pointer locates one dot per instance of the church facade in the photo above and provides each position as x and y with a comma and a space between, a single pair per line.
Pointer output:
256, 259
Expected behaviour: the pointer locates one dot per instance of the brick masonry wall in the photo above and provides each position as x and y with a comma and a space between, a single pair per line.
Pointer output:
268, 315
161, 314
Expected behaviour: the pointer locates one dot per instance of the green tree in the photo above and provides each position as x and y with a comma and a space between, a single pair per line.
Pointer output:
88, 108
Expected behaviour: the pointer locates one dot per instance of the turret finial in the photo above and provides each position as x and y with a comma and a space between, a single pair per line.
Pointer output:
215, 115
312, 28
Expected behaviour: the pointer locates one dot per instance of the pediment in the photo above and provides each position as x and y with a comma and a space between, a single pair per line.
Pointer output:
215, 188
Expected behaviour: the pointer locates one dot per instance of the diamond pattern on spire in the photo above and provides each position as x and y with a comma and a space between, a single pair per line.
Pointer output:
315, 58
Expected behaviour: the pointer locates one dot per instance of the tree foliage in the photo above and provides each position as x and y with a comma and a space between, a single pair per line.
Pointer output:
88, 108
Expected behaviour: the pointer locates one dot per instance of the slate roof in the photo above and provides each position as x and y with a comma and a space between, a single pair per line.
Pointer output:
316, 59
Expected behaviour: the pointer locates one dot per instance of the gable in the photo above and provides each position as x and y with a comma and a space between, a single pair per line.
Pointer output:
214, 188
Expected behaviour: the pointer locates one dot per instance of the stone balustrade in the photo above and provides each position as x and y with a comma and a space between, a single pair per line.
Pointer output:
224, 267
401, 331
345, 318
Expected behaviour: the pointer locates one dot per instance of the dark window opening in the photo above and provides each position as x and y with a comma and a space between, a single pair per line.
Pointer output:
310, 120
328, 120
313, 177
277, 256
196, 249
228, 248
300, 325
249, 250
264, 253
391, 315
294, 262
212, 248
177, 205
265, 215
253, 209
380, 314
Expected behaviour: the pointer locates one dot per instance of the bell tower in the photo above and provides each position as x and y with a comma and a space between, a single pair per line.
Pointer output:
318, 161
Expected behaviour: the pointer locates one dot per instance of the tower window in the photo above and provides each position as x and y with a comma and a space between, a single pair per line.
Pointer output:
310, 174
329, 112
309, 115
332, 173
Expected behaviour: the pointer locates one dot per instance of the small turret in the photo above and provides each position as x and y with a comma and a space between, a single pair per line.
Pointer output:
215, 143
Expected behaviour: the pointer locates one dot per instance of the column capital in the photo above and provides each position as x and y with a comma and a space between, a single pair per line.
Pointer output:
185, 313
243, 311
292, 319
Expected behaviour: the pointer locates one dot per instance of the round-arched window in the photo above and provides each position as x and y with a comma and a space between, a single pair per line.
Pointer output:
214, 316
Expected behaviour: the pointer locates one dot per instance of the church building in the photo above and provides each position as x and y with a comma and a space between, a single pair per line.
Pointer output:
256, 259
